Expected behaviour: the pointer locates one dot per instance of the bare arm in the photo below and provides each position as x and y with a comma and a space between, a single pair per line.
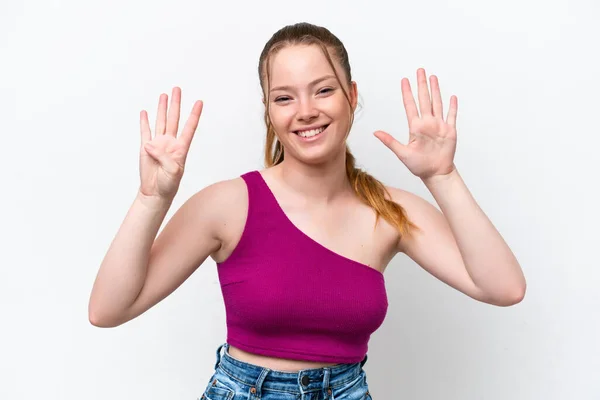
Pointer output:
123, 270
460, 246
138, 271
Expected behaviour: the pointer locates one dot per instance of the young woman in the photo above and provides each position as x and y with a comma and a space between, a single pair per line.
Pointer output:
301, 246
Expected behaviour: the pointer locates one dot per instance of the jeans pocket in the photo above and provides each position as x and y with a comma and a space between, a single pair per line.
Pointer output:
356, 389
217, 390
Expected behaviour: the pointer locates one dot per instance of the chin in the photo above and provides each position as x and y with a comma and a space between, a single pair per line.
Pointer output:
319, 156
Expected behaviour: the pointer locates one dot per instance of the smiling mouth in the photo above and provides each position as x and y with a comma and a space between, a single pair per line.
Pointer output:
312, 132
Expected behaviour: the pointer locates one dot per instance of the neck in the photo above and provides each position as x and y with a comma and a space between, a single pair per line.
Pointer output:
319, 182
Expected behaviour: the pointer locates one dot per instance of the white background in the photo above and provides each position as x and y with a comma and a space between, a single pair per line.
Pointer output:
75, 74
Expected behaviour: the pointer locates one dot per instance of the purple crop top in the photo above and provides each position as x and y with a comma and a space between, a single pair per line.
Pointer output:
288, 296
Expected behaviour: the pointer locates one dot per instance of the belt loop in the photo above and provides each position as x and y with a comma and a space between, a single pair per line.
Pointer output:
327, 393
256, 390
219, 354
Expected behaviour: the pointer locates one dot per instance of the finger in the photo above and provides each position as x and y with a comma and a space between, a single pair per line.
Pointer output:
436, 96
173, 116
452, 111
145, 127
400, 150
161, 115
192, 123
409, 101
424, 100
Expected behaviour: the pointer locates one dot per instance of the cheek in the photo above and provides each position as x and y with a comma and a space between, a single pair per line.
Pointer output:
282, 118
339, 108
281, 125
341, 116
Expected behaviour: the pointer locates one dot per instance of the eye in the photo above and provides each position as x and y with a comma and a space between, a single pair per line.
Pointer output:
326, 90
282, 98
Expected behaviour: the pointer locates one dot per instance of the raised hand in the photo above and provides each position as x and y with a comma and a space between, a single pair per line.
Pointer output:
432, 140
162, 158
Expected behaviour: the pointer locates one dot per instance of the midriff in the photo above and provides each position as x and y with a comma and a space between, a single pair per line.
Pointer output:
274, 363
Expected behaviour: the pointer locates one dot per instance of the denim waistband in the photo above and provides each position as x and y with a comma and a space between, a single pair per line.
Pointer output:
301, 381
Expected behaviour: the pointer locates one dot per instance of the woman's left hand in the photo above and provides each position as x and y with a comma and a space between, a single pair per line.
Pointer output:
432, 140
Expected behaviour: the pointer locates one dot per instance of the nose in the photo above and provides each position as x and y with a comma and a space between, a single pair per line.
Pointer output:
307, 111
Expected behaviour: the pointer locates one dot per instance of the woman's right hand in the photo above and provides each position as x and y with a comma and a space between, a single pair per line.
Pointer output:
162, 158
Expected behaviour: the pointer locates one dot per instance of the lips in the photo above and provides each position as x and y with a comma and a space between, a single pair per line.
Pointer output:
311, 129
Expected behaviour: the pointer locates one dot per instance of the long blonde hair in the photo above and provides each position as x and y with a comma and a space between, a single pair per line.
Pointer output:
371, 191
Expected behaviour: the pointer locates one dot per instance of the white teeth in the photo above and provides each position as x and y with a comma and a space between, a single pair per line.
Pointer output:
311, 133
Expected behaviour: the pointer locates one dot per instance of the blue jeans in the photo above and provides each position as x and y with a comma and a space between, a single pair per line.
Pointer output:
237, 380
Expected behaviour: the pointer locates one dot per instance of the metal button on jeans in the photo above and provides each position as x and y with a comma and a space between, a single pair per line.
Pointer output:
305, 380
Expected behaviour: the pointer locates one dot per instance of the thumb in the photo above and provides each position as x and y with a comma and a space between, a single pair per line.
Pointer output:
161, 157
400, 150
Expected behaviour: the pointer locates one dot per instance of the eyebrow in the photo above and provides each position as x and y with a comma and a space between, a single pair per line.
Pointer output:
318, 80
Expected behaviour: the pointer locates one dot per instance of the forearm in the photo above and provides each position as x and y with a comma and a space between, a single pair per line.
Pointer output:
487, 258
123, 270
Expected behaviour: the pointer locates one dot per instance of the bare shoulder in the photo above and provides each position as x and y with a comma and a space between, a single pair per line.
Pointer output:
202, 216
223, 193
219, 201
427, 217
225, 204
413, 203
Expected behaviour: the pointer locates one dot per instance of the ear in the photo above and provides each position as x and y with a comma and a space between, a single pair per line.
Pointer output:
354, 95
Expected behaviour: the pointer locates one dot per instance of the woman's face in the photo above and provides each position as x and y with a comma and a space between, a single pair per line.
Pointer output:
305, 97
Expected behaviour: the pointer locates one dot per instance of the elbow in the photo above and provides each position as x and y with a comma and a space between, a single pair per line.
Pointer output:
506, 298
519, 293
98, 322
102, 320
514, 297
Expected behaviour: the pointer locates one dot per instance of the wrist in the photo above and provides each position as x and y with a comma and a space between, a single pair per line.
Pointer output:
153, 203
437, 179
